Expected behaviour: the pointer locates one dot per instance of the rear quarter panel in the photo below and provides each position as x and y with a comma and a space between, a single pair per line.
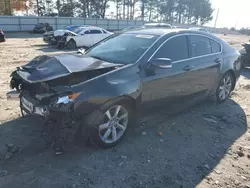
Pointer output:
231, 61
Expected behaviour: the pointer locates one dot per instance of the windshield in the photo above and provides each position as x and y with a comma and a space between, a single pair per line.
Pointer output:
123, 49
78, 30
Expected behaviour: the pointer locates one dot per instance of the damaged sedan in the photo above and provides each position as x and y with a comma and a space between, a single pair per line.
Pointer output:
104, 89
83, 37
51, 37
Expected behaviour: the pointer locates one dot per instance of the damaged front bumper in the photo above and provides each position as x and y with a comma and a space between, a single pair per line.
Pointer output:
26, 103
30, 105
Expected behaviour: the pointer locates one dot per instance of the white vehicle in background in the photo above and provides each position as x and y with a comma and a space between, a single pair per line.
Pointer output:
85, 37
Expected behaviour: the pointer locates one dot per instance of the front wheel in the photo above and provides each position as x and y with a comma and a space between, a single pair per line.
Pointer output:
225, 87
71, 45
23, 113
112, 127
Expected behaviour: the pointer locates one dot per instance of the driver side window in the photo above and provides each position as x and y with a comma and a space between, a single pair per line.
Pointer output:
175, 49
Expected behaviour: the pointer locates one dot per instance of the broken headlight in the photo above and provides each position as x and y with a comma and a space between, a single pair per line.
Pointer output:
68, 98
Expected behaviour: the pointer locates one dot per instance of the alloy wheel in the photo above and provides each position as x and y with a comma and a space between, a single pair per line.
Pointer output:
225, 87
114, 125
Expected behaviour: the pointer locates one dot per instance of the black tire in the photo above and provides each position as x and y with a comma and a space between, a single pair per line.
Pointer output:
71, 45
23, 113
245, 62
96, 118
59, 45
217, 96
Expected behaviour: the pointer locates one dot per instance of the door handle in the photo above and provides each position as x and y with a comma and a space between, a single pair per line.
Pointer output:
188, 68
217, 60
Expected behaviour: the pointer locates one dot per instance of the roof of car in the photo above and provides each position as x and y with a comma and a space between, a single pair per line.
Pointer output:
154, 31
162, 31
153, 24
89, 27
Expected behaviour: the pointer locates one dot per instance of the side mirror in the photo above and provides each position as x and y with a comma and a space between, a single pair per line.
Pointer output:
162, 63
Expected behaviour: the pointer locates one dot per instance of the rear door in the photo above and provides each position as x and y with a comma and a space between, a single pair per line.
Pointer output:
206, 57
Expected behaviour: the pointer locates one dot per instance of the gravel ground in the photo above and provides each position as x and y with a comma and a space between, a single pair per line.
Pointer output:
207, 145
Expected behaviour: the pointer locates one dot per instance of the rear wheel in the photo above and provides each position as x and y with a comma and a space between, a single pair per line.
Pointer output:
71, 45
225, 87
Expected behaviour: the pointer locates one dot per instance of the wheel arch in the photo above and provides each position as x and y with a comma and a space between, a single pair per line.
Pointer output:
71, 39
233, 75
124, 98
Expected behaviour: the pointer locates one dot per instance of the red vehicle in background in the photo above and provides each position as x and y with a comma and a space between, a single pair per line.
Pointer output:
2, 37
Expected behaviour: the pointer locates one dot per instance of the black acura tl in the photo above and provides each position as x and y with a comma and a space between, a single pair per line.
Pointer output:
103, 88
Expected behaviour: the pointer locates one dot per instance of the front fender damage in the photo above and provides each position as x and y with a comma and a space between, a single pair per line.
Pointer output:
61, 122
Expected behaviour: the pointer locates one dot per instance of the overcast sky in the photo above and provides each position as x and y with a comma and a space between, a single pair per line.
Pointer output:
232, 13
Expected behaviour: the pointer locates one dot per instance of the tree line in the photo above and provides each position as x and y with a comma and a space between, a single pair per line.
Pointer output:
178, 11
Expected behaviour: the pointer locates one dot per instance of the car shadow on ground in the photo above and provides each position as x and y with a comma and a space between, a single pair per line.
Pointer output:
187, 150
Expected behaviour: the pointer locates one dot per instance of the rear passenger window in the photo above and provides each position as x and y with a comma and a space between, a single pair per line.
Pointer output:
87, 32
104, 31
216, 47
200, 46
95, 32
175, 49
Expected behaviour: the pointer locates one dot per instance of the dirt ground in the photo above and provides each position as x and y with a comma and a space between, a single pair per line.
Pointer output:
207, 145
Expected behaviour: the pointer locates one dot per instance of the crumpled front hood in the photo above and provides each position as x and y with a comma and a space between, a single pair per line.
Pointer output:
44, 68
61, 32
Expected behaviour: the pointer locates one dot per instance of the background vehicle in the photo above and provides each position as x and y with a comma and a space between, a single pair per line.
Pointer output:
245, 54
157, 25
51, 36
2, 36
136, 71
131, 27
84, 37
42, 28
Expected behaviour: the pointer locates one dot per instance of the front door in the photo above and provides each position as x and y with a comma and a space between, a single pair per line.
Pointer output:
163, 86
